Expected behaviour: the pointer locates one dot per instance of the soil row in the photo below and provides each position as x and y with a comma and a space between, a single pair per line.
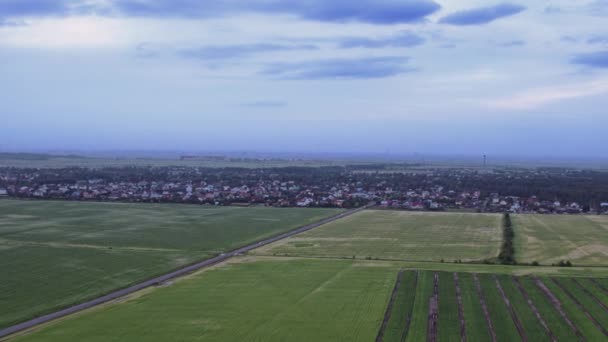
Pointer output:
518, 325
524, 293
433, 318
558, 306
463, 331
484, 307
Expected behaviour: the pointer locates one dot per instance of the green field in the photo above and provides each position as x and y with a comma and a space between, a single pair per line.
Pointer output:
297, 300
54, 254
399, 235
548, 239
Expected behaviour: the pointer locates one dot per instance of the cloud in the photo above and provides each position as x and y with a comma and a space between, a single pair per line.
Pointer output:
482, 15
539, 97
599, 7
265, 104
12, 23
218, 52
341, 68
369, 11
404, 39
514, 43
592, 59
598, 39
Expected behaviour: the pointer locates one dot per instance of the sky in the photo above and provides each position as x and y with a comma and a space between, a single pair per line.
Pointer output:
465, 77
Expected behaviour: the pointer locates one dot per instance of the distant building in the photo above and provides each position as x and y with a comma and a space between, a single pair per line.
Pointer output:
3, 192
604, 205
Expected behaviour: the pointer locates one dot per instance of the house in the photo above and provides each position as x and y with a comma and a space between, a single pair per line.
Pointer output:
3, 192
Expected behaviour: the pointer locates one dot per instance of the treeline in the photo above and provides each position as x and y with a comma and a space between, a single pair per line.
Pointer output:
507, 250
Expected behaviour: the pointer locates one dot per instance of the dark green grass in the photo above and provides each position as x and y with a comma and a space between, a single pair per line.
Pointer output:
421, 308
584, 324
554, 320
590, 304
601, 295
449, 323
54, 254
501, 318
264, 301
532, 327
476, 325
402, 309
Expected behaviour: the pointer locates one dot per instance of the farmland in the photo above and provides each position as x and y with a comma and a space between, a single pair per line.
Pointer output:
548, 239
54, 254
398, 235
297, 300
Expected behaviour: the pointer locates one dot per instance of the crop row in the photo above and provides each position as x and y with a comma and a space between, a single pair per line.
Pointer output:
441, 306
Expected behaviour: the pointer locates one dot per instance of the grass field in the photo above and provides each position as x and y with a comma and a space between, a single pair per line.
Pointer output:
403, 306
53, 254
550, 238
399, 235
296, 300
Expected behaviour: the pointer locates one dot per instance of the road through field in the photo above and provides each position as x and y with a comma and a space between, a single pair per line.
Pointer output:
161, 279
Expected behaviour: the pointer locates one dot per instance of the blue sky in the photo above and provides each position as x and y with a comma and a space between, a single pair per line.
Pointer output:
464, 77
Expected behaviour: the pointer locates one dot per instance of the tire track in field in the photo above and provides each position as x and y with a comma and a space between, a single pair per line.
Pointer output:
558, 306
597, 300
411, 312
534, 309
484, 307
171, 275
433, 318
599, 285
463, 330
580, 306
518, 325
389, 308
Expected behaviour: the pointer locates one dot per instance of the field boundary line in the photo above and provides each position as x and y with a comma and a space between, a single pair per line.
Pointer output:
168, 276
463, 325
580, 306
409, 317
558, 306
590, 294
534, 309
432, 330
484, 307
389, 307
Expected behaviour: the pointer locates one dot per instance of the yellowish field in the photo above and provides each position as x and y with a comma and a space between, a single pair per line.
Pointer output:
399, 235
550, 238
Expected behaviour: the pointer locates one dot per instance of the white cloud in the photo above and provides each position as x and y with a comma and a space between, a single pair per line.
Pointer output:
539, 97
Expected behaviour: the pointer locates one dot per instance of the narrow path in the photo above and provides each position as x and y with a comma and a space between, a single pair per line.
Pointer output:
484, 307
518, 325
581, 307
597, 300
432, 330
534, 309
389, 308
409, 314
175, 274
463, 326
558, 306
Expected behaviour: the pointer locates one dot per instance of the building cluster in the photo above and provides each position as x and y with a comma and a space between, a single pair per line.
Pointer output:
277, 187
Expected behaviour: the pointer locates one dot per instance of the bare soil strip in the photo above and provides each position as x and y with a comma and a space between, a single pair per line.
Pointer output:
172, 275
433, 320
484, 306
534, 309
389, 308
598, 284
581, 307
463, 331
597, 300
518, 325
558, 306
409, 314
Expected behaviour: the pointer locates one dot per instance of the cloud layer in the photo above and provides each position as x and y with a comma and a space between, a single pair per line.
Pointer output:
220, 52
340, 68
482, 15
593, 59
404, 39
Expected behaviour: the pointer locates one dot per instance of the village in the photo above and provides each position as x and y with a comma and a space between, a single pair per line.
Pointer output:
278, 188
